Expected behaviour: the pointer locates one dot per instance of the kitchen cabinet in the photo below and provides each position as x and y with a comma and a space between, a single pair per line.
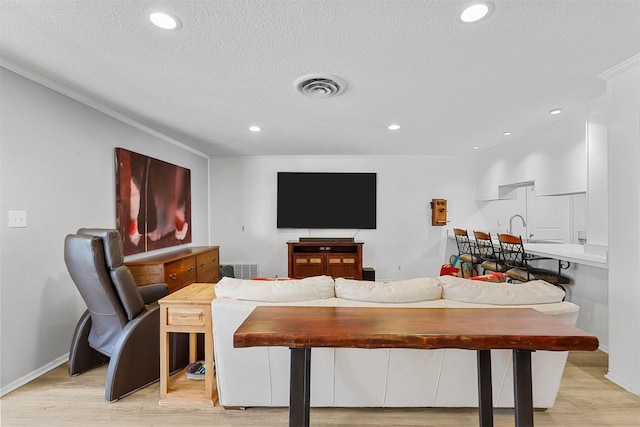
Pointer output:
553, 158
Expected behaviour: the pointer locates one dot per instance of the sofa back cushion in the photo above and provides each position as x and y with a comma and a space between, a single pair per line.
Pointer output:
307, 289
401, 291
533, 292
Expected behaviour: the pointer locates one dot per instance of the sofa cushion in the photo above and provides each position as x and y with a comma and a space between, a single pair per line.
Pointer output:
533, 292
306, 289
402, 291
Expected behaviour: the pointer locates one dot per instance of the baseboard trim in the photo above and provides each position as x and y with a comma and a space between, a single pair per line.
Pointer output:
35, 374
620, 382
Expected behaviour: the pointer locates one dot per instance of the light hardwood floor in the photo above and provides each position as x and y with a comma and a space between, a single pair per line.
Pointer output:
586, 398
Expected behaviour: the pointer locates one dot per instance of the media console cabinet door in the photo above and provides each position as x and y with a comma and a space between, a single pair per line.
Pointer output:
308, 265
343, 266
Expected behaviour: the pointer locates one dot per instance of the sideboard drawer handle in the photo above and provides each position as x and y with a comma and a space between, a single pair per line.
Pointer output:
173, 276
203, 264
190, 268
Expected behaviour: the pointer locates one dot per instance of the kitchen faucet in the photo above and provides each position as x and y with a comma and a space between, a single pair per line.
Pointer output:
524, 223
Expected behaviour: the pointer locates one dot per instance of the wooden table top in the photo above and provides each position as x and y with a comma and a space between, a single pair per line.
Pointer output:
195, 293
420, 328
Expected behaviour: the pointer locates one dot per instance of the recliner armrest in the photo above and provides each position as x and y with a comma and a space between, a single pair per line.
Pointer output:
152, 293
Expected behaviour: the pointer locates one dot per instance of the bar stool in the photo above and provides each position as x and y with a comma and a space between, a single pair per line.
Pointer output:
487, 252
466, 248
517, 261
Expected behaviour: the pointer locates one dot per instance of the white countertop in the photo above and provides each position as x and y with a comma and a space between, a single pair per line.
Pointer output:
562, 251
567, 252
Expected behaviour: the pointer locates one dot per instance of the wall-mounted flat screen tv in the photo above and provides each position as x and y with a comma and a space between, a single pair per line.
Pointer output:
326, 200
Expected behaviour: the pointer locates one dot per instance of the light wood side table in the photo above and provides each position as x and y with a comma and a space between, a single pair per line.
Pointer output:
187, 310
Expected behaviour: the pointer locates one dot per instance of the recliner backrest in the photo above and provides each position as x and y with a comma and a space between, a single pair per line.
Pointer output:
85, 260
112, 242
121, 277
94, 258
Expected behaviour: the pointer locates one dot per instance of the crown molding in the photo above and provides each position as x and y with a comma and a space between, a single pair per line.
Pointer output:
621, 67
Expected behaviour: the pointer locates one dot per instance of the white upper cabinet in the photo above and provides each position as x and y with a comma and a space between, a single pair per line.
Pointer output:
553, 158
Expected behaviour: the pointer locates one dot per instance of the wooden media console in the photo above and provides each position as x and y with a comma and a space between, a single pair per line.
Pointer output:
330, 258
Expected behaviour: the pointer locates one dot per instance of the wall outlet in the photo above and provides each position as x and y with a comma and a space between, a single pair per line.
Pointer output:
399, 267
17, 219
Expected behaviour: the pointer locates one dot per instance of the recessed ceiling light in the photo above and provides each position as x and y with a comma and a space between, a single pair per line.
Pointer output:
555, 111
506, 133
165, 21
476, 11
393, 127
255, 128
475, 147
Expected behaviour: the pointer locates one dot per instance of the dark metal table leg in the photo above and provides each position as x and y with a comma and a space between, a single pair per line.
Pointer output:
522, 388
485, 397
300, 387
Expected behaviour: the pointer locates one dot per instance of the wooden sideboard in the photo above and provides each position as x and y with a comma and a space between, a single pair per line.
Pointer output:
178, 268
335, 259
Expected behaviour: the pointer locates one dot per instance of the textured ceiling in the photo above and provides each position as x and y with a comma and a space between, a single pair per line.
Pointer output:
233, 64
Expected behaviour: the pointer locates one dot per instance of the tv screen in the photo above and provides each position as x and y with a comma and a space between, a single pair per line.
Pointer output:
326, 200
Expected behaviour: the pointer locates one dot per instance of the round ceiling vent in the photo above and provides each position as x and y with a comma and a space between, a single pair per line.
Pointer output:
320, 85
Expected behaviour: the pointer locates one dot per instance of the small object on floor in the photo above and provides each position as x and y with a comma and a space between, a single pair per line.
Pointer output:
196, 370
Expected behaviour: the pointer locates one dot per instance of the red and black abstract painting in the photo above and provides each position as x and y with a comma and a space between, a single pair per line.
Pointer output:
153, 202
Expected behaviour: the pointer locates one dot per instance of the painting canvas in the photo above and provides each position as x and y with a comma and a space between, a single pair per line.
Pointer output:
153, 202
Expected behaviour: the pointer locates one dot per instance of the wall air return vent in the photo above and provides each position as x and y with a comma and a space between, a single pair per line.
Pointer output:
245, 271
320, 85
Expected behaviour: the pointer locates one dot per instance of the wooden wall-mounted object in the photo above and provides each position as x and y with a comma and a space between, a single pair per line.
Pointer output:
438, 212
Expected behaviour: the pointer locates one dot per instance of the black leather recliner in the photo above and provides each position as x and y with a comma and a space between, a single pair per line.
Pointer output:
122, 323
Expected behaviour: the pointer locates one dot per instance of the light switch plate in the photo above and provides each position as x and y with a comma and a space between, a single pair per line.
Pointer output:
17, 219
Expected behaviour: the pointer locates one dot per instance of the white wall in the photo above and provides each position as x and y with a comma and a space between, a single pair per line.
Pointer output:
597, 179
243, 193
57, 163
623, 90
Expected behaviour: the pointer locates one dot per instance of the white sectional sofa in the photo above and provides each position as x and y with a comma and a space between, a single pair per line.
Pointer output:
259, 376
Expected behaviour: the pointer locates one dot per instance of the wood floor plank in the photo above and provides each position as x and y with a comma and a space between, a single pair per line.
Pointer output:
586, 398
